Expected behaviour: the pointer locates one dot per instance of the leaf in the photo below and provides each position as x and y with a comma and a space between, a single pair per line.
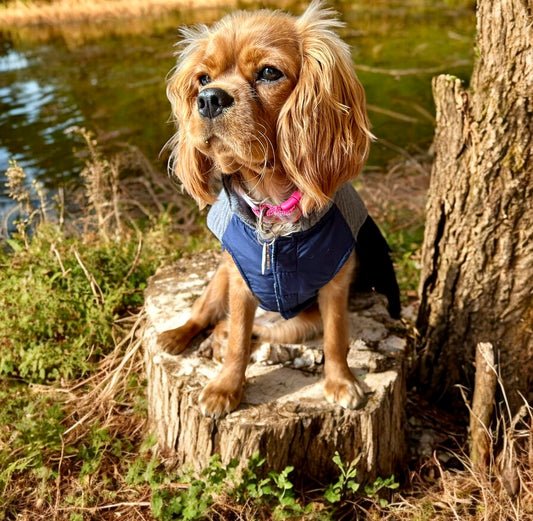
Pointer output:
332, 495
15, 245
337, 460
352, 485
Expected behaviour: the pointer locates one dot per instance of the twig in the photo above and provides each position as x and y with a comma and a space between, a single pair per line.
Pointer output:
482, 404
411, 72
109, 507
58, 480
58, 257
95, 288
392, 113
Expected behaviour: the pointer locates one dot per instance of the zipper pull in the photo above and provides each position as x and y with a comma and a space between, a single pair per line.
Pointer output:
265, 256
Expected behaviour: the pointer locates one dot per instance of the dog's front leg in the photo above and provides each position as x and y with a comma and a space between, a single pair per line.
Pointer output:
340, 386
224, 393
207, 310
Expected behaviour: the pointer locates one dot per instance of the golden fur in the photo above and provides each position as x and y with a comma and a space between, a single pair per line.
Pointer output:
305, 130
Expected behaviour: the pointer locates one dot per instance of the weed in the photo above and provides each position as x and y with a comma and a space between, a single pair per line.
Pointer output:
250, 493
346, 484
61, 300
28, 213
373, 491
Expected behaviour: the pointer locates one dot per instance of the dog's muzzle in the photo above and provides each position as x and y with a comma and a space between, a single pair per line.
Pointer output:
212, 102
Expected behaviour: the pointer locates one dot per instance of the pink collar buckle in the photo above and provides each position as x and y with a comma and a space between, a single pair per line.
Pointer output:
288, 211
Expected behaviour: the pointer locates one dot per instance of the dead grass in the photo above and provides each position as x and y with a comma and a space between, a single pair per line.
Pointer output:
503, 491
22, 13
396, 195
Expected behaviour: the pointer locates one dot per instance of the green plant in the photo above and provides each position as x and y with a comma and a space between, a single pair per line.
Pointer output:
372, 491
406, 245
191, 497
346, 484
273, 491
61, 300
30, 430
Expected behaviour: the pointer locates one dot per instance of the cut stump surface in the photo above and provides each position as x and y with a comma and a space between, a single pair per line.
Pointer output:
284, 415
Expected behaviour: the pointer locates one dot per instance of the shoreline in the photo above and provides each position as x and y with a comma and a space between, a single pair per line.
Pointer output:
21, 14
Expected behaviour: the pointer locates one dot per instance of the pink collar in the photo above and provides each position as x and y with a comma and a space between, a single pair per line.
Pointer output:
288, 211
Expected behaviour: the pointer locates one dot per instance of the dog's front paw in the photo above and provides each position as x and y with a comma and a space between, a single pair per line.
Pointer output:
220, 398
348, 393
174, 341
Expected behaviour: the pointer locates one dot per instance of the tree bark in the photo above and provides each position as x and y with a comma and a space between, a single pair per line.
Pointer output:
477, 256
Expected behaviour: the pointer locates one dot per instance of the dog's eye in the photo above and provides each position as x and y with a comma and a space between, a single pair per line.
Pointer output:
269, 74
204, 79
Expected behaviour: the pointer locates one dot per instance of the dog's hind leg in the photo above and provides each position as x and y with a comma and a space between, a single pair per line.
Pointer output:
340, 386
305, 326
208, 309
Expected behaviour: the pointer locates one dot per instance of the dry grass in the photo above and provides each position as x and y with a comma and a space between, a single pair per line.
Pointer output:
501, 492
122, 189
397, 195
22, 13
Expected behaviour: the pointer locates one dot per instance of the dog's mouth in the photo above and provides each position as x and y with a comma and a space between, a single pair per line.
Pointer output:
231, 155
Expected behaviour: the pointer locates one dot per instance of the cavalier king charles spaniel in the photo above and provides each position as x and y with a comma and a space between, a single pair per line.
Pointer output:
271, 128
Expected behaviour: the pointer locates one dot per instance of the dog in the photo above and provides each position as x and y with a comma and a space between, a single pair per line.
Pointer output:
271, 128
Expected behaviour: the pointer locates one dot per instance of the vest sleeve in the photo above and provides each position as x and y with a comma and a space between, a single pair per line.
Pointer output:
219, 216
352, 207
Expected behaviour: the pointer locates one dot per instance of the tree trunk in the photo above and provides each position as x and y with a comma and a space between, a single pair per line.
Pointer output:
284, 415
477, 256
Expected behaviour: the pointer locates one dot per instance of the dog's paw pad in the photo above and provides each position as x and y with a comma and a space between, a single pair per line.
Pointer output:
173, 341
347, 394
216, 401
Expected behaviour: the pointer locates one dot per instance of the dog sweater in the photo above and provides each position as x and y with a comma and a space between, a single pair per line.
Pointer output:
296, 265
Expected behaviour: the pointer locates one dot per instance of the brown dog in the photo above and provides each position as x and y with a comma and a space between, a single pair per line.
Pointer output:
269, 103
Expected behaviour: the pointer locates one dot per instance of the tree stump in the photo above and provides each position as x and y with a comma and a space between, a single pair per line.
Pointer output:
283, 416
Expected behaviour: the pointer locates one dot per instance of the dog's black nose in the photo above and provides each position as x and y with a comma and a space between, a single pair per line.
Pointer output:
212, 101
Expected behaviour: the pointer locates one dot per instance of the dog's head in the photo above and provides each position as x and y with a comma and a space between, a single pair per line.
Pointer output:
271, 99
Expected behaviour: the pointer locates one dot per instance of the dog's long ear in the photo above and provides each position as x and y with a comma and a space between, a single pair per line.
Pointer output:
323, 129
186, 162
191, 168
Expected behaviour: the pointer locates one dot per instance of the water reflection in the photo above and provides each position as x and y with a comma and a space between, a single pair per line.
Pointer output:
12, 61
34, 112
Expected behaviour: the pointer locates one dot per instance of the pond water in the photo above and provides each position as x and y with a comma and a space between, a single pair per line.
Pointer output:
110, 78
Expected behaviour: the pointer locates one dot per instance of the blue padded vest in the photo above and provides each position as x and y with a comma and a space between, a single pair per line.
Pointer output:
299, 264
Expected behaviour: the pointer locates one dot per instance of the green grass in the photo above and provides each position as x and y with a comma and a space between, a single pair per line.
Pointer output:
61, 299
